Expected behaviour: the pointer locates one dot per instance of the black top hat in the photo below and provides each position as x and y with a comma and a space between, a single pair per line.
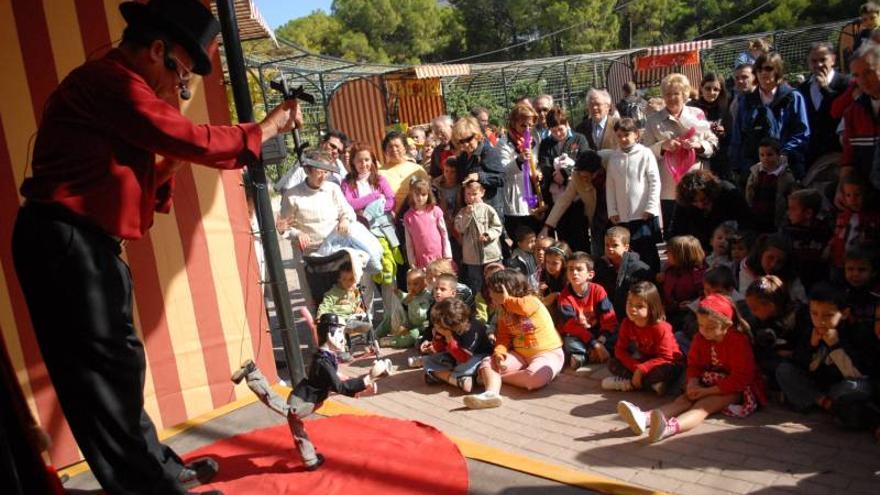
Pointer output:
187, 22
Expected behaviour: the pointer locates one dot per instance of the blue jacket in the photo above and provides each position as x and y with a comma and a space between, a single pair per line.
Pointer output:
784, 119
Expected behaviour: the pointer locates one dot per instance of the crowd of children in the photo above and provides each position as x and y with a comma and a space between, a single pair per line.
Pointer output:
777, 299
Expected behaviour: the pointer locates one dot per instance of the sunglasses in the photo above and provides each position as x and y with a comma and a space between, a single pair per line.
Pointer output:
333, 147
466, 140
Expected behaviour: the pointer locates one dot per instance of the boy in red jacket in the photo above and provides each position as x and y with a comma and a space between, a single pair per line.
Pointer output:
589, 323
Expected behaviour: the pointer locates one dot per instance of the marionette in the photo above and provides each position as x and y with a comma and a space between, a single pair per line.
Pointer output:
323, 377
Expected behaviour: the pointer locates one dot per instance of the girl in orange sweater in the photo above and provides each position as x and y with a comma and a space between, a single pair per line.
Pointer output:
528, 351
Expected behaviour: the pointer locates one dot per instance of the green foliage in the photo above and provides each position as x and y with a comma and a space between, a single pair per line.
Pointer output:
459, 103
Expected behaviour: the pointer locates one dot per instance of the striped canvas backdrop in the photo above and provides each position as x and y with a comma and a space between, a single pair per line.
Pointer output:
198, 301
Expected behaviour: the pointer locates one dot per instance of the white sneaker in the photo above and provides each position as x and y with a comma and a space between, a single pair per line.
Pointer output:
634, 417
415, 361
659, 388
658, 430
482, 401
617, 383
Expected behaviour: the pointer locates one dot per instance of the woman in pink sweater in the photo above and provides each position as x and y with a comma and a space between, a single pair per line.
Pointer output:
363, 184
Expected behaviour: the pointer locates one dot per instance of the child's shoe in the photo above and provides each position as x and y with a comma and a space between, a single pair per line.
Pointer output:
617, 383
415, 361
319, 460
576, 361
387, 341
482, 401
661, 427
634, 417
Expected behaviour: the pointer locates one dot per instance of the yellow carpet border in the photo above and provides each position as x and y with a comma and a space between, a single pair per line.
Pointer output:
468, 448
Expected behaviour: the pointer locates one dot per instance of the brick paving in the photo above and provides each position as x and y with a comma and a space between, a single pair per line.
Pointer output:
573, 423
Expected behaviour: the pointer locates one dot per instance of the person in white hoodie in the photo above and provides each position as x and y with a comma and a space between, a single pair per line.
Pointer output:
632, 192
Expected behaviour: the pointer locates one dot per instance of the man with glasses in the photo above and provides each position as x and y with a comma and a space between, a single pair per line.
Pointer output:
441, 129
96, 183
543, 104
333, 142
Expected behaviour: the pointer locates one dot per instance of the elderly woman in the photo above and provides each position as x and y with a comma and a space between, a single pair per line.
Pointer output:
598, 125
479, 161
672, 133
704, 203
441, 131
398, 168
515, 155
774, 110
318, 220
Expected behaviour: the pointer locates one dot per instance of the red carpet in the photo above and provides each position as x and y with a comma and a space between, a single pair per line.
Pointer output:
364, 455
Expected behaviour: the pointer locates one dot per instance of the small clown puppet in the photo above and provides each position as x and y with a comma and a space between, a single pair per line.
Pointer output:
309, 394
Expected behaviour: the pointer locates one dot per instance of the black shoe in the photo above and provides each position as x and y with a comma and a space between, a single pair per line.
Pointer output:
198, 472
246, 367
317, 464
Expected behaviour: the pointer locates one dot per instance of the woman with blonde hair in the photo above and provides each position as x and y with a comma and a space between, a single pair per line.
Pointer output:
680, 137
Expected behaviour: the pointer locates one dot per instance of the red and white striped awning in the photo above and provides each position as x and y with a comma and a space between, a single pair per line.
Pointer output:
444, 70
689, 46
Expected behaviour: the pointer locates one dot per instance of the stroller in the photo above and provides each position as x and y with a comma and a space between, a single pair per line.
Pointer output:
321, 272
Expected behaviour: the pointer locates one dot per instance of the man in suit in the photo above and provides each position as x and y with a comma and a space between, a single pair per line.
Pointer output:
819, 91
598, 125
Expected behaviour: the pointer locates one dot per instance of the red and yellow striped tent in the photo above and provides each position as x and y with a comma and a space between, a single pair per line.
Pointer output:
198, 302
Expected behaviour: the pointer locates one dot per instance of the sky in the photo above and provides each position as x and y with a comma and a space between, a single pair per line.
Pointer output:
278, 12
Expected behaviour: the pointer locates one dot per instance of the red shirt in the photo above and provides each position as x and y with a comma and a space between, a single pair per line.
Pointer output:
95, 149
595, 306
732, 356
655, 343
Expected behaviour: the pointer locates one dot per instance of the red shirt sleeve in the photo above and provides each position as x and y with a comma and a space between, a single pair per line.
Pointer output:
736, 356
666, 348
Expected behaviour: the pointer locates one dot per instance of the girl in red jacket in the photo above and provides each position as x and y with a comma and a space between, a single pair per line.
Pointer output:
721, 376
655, 360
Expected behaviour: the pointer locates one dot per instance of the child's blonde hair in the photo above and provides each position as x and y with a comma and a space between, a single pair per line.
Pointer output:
770, 289
687, 250
648, 292
440, 266
424, 187
620, 233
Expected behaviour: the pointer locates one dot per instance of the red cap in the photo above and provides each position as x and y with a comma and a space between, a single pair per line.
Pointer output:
720, 304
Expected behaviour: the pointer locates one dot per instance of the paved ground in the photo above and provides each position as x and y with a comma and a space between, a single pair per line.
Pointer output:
485, 479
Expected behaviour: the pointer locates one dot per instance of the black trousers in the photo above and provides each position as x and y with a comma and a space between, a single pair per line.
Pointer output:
78, 292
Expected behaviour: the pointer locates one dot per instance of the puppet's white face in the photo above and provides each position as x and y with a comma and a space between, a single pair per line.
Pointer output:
336, 338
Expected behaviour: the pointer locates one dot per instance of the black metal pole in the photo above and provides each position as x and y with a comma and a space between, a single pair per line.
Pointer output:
268, 237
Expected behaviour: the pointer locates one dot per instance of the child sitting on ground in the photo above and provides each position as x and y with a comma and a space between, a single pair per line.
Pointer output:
720, 247
682, 280
768, 186
832, 361
718, 280
522, 257
528, 351
541, 246
619, 268
808, 231
553, 277
741, 244
860, 285
589, 323
485, 310
777, 321
721, 376
645, 355
437, 268
772, 256
416, 302
856, 224
459, 345
480, 228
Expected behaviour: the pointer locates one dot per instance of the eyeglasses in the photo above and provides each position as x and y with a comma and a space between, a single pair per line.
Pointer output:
187, 72
466, 140
766, 68
332, 146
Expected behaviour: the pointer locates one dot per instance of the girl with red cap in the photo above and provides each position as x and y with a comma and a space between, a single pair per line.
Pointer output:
721, 376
